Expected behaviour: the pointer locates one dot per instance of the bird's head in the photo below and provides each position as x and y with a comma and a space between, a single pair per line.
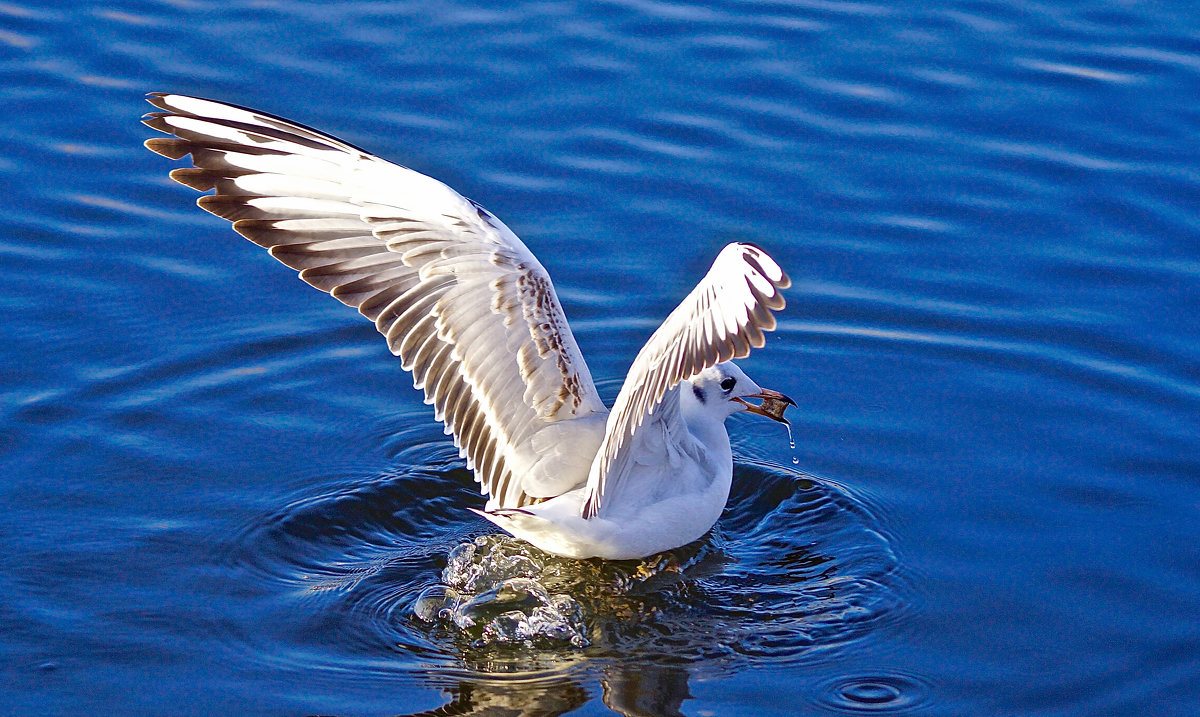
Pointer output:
724, 389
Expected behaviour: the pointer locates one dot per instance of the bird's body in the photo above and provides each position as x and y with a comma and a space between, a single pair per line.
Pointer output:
474, 316
674, 491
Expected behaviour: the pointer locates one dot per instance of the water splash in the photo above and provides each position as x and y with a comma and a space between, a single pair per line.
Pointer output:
500, 590
492, 592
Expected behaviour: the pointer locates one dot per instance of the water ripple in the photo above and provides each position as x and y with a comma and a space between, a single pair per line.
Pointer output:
795, 565
892, 692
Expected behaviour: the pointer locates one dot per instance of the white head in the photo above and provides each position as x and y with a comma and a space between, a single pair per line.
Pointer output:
720, 391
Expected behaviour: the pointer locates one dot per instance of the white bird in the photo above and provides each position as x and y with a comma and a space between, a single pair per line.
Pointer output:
473, 315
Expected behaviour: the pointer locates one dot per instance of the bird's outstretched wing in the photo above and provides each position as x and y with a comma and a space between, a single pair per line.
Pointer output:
722, 319
463, 303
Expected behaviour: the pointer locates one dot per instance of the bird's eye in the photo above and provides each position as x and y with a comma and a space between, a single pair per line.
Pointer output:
728, 384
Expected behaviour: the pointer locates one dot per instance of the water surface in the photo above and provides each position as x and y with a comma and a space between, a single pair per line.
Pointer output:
221, 494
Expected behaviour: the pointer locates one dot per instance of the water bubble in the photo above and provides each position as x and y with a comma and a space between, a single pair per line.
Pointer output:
436, 602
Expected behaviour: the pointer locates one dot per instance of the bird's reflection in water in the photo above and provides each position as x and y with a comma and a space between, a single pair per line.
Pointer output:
512, 698
634, 689
641, 689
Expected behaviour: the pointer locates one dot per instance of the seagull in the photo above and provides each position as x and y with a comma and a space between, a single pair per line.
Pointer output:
472, 314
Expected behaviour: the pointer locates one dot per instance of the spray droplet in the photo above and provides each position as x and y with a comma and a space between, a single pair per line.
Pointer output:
792, 444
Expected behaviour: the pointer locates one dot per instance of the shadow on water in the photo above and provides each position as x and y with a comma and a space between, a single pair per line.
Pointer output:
797, 569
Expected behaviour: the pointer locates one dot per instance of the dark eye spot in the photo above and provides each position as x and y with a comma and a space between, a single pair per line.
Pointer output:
728, 384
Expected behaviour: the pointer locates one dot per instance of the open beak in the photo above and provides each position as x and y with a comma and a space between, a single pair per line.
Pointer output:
773, 404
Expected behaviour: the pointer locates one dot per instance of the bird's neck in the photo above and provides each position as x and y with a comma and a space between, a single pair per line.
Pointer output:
701, 422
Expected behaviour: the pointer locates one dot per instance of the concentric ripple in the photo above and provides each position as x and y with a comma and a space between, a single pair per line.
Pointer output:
893, 693
377, 564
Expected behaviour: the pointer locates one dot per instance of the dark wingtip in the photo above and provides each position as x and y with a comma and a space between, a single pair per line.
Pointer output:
156, 99
196, 178
501, 512
154, 120
228, 207
591, 507
168, 147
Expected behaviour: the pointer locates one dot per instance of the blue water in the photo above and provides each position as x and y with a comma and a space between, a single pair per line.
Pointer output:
220, 494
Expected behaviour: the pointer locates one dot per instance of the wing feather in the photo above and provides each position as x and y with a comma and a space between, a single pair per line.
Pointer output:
463, 303
723, 318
